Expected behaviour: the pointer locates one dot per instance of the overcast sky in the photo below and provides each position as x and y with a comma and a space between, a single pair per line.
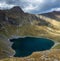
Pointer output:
32, 6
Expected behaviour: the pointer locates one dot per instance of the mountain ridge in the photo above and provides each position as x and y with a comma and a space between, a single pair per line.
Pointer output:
14, 22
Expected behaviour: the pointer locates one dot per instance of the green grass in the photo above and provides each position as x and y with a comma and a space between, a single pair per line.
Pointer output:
57, 47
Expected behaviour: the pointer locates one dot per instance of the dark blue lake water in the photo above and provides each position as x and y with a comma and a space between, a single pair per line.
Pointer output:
26, 46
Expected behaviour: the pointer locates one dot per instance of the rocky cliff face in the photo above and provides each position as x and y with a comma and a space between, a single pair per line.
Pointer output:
15, 22
15, 16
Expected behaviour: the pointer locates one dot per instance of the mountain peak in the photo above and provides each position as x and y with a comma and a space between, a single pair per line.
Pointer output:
16, 9
56, 12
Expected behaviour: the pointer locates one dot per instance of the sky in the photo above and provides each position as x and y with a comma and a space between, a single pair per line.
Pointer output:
32, 6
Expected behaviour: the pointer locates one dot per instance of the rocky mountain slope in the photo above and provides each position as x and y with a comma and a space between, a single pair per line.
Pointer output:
14, 22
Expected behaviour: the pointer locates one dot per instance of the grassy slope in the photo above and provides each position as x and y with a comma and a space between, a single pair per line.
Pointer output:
52, 55
29, 30
5, 49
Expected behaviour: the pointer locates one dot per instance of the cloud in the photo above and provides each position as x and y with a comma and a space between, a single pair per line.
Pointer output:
32, 6
40, 6
5, 6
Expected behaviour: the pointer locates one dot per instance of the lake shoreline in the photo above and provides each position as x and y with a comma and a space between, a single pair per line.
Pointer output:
16, 37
